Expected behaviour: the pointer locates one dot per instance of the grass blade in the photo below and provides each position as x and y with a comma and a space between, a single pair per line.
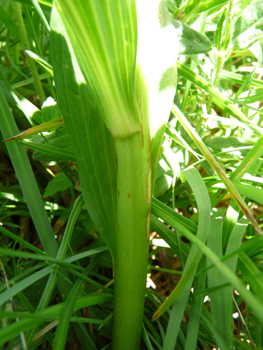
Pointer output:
213, 163
27, 180
204, 209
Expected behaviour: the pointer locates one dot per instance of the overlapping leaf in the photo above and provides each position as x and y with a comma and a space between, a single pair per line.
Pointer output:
104, 39
92, 142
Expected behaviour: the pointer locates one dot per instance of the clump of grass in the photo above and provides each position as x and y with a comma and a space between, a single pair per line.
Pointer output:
136, 219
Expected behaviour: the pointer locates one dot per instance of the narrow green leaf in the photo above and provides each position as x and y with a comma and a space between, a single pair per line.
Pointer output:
41, 61
21, 241
5, 296
159, 208
213, 163
174, 325
239, 79
23, 325
221, 300
196, 309
7, 20
41, 14
251, 273
247, 190
54, 124
204, 208
196, 6
55, 152
27, 108
68, 307
26, 179
254, 302
168, 236
219, 31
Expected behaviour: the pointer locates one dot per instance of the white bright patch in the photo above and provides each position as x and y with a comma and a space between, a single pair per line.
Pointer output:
206, 298
160, 243
49, 102
149, 282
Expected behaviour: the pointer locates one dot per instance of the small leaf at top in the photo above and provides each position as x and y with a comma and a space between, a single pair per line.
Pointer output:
49, 110
59, 183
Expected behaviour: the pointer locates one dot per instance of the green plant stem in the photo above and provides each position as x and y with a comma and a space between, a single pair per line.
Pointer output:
133, 208
222, 54
228, 20
26, 46
219, 65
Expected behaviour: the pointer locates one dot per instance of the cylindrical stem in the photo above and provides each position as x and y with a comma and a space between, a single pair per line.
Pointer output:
133, 208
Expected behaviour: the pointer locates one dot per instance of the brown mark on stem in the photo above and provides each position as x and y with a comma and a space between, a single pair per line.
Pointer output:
129, 195
148, 222
142, 140
118, 193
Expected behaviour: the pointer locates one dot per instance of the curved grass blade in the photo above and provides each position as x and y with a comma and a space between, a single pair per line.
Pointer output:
254, 302
196, 309
68, 307
213, 163
221, 300
204, 208
165, 233
41, 14
182, 223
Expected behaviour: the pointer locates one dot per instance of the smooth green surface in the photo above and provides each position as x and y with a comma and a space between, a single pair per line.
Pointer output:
133, 208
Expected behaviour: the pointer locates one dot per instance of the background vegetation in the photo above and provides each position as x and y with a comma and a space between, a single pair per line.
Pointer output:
204, 275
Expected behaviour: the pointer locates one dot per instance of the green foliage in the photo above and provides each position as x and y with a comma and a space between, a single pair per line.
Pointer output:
58, 184
148, 104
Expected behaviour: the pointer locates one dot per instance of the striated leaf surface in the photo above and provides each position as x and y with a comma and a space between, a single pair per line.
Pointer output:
104, 39
92, 142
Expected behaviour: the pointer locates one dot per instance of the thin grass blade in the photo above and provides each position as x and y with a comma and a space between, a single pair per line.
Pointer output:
204, 209
213, 163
